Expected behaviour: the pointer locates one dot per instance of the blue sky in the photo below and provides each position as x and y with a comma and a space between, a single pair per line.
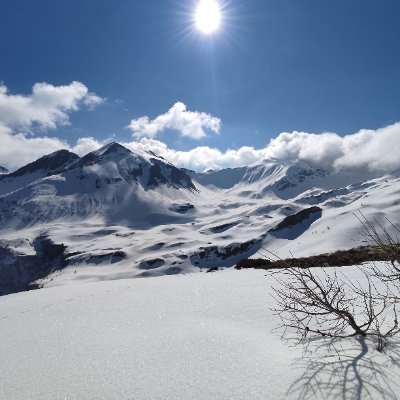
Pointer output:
274, 66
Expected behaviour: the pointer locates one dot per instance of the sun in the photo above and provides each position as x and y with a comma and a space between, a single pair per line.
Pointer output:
208, 16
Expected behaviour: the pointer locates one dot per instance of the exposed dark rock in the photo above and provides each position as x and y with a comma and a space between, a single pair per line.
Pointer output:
160, 171
52, 163
300, 177
113, 257
137, 173
18, 272
115, 147
222, 228
297, 218
3, 170
156, 246
156, 176
215, 253
182, 208
151, 263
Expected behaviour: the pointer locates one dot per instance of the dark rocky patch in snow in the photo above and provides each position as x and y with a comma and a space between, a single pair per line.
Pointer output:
174, 245
112, 257
3, 170
156, 246
324, 196
222, 228
181, 208
299, 177
125, 235
224, 256
164, 173
152, 263
295, 225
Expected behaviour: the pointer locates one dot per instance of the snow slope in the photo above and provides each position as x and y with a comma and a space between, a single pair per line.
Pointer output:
195, 336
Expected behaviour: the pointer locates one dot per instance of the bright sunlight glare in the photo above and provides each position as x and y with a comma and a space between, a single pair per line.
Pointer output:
208, 16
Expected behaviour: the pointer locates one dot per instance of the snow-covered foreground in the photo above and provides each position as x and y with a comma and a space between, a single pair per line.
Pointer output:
197, 336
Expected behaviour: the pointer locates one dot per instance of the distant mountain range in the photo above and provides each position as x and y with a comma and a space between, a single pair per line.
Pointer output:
136, 214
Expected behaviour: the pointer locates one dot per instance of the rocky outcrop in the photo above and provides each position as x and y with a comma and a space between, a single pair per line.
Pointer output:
19, 271
295, 219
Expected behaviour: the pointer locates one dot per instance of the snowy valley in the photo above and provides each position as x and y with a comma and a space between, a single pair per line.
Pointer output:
116, 214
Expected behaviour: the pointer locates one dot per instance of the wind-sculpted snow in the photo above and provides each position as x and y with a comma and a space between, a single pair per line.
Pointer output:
122, 214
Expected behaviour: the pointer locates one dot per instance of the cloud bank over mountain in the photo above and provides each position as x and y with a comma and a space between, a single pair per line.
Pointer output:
48, 107
374, 150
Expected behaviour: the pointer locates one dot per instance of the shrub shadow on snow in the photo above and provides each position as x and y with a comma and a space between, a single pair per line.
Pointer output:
346, 369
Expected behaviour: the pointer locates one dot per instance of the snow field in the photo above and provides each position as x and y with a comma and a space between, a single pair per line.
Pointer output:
195, 336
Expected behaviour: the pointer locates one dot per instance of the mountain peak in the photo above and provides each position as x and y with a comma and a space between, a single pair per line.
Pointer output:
113, 147
110, 149
50, 163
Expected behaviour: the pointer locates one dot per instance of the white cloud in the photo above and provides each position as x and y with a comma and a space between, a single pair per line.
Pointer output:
191, 124
46, 107
374, 150
320, 150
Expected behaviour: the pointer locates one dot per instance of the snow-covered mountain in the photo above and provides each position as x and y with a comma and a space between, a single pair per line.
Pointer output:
284, 179
111, 182
114, 213
44, 166
3, 170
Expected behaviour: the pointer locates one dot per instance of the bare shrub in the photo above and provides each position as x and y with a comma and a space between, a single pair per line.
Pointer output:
330, 304
389, 245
